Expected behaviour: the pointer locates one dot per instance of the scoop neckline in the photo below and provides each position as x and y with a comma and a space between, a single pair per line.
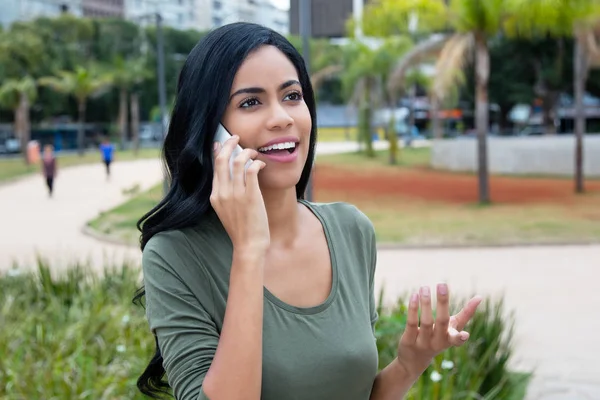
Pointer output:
334, 271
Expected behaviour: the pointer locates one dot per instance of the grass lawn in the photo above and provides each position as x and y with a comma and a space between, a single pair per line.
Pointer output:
333, 134
413, 205
15, 167
120, 222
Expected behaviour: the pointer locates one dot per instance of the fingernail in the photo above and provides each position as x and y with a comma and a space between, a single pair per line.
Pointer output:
425, 291
443, 289
414, 298
464, 336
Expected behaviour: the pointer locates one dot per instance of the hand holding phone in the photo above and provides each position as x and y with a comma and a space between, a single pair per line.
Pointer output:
221, 136
238, 200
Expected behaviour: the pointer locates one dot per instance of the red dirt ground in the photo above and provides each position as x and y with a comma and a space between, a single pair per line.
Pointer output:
425, 184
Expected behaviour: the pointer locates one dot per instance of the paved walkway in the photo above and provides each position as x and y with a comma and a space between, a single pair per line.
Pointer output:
554, 290
31, 222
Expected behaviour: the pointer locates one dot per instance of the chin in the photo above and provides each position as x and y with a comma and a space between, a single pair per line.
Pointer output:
278, 180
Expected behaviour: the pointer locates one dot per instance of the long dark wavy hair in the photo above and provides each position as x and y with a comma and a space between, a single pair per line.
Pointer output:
202, 97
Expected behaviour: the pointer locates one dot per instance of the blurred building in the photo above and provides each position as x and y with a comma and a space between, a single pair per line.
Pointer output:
179, 14
263, 12
103, 8
207, 14
24, 10
328, 17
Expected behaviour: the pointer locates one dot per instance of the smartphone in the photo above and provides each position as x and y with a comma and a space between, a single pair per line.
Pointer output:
221, 136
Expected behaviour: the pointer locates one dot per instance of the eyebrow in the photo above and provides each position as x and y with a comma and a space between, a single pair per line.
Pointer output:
256, 90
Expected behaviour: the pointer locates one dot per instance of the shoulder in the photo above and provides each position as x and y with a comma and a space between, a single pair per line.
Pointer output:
344, 215
188, 249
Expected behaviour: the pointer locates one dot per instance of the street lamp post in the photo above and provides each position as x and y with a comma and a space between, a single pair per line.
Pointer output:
162, 91
305, 32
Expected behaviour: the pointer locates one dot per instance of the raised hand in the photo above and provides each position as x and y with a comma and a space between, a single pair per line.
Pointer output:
237, 199
420, 343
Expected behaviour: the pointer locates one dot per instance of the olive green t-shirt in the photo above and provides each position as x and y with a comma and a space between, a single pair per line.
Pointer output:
326, 352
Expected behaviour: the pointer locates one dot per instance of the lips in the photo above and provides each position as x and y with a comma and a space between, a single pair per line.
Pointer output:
280, 141
282, 152
285, 146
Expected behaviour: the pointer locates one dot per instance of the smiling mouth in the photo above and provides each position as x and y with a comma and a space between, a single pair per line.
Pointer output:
279, 148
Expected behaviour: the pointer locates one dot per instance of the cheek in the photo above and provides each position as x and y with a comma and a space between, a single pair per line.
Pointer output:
303, 121
245, 126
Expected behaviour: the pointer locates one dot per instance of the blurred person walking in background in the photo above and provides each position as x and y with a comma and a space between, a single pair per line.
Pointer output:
107, 149
49, 167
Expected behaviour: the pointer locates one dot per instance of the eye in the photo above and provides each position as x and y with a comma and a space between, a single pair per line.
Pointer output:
248, 103
294, 96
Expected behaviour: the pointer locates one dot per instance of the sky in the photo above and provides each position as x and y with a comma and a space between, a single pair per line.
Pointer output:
285, 4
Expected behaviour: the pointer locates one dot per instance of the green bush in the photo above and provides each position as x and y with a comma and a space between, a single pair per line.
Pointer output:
72, 336
77, 335
476, 370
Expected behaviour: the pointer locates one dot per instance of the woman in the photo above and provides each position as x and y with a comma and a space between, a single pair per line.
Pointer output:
49, 167
252, 292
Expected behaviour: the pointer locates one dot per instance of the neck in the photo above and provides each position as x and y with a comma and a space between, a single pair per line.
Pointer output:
284, 217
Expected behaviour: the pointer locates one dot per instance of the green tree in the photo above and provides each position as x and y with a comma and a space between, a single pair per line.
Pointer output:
17, 95
366, 68
467, 27
127, 74
82, 84
472, 23
22, 52
575, 18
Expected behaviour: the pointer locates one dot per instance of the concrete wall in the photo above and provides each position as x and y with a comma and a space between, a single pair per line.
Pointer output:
545, 155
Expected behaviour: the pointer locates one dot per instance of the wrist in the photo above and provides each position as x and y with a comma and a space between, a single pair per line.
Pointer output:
405, 372
249, 256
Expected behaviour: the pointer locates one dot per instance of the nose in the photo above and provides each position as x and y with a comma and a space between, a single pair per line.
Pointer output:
279, 118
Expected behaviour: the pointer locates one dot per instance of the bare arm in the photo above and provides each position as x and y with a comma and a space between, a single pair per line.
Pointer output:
392, 383
236, 370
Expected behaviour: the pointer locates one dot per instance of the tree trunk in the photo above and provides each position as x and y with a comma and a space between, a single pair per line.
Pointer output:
411, 115
391, 134
25, 126
123, 117
549, 112
482, 73
436, 127
81, 128
135, 121
579, 78
365, 124
18, 128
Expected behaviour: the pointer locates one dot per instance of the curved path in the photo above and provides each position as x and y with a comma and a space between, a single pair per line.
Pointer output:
554, 290
32, 222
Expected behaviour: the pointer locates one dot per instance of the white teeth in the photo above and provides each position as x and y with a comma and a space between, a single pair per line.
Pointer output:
278, 146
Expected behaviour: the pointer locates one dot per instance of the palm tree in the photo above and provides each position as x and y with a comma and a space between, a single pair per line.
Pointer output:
466, 27
423, 52
587, 54
328, 72
471, 24
127, 75
82, 84
366, 67
579, 19
17, 95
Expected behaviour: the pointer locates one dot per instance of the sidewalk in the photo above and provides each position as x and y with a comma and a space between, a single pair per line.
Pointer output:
33, 222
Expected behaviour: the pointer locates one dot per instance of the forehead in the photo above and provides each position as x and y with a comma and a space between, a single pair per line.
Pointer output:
266, 66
